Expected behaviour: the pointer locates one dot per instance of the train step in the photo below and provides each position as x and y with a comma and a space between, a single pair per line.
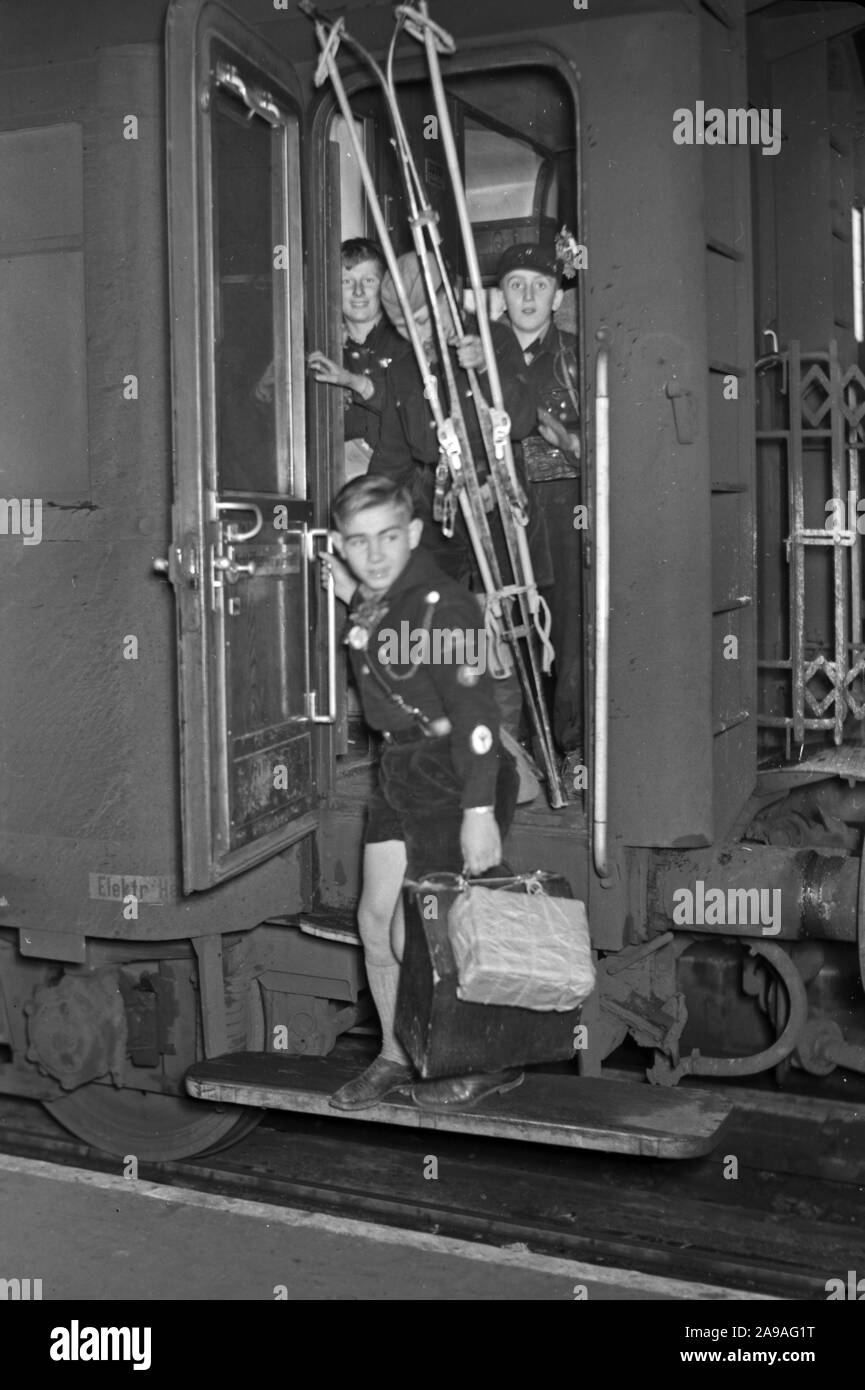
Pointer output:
568, 1111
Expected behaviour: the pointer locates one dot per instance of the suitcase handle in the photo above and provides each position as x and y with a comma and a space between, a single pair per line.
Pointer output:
460, 883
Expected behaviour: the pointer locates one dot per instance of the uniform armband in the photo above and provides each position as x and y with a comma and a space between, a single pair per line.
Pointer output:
481, 810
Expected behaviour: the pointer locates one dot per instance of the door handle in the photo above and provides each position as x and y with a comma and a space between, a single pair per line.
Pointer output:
180, 565
229, 567
310, 537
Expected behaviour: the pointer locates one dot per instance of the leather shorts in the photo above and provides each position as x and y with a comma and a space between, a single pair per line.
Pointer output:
419, 802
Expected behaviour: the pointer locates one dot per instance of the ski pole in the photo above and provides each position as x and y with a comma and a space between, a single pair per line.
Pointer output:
434, 38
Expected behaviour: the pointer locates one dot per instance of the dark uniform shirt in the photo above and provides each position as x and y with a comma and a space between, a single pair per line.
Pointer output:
370, 358
407, 419
551, 367
388, 632
408, 449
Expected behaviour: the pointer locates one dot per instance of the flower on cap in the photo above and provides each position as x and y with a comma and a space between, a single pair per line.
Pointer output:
567, 251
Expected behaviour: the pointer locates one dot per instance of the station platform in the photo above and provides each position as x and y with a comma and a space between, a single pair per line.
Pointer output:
95, 1236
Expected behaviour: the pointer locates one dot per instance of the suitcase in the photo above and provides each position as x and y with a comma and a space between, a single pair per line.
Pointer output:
447, 1036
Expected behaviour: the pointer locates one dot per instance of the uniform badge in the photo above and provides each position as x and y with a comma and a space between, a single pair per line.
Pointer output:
468, 675
481, 739
358, 637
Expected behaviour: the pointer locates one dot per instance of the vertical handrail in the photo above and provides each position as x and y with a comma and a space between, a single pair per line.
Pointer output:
853, 439
311, 535
600, 727
796, 495
840, 489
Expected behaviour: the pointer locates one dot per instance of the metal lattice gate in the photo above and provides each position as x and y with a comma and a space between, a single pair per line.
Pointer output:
811, 452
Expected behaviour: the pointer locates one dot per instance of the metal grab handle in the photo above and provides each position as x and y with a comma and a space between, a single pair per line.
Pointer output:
232, 533
314, 533
257, 101
600, 767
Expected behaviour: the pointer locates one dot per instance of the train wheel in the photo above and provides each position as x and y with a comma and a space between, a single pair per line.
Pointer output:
148, 1126
152, 1127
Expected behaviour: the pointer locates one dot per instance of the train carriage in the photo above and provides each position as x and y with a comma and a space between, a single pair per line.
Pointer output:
183, 787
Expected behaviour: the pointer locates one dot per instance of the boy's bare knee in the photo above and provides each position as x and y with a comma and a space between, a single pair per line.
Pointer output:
374, 927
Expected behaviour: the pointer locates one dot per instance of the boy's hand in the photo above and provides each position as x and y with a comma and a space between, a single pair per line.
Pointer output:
328, 371
554, 432
332, 374
480, 841
470, 352
344, 582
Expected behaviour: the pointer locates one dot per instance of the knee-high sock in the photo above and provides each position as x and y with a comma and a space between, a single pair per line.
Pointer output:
383, 983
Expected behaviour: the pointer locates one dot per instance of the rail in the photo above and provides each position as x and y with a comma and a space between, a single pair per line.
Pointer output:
600, 727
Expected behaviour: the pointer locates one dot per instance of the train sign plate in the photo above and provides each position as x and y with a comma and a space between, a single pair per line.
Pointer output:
155, 889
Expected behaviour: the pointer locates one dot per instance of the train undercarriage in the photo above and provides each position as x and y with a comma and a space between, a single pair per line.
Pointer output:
709, 987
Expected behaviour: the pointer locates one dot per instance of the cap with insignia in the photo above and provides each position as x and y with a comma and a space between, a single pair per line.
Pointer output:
528, 255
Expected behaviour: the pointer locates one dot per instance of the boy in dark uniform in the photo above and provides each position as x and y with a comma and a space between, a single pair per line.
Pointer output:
530, 279
369, 345
408, 452
407, 449
447, 787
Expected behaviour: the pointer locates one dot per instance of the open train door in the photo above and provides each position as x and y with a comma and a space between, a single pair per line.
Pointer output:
254, 688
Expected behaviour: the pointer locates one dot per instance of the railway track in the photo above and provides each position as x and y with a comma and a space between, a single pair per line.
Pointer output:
776, 1211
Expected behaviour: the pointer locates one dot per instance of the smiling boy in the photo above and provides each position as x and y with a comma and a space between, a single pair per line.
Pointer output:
369, 345
447, 787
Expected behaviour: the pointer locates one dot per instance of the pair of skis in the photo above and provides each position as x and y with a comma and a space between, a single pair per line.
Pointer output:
456, 466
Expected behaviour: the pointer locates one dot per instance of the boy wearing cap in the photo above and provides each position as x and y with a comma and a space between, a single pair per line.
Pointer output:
530, 279
369, 345
448, 788
408, 450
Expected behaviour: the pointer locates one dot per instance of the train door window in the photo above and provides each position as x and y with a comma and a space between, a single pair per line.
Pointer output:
501, 173
251, 184
353, 212
248, 452
255, 643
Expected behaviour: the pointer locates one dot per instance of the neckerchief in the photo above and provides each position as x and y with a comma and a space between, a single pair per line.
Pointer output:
367, 611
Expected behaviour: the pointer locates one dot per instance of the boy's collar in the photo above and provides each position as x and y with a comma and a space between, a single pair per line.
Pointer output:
361, 341
539, 341
367, 609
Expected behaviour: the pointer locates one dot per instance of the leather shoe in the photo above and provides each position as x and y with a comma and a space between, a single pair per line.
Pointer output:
380, 1078
462, 1092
